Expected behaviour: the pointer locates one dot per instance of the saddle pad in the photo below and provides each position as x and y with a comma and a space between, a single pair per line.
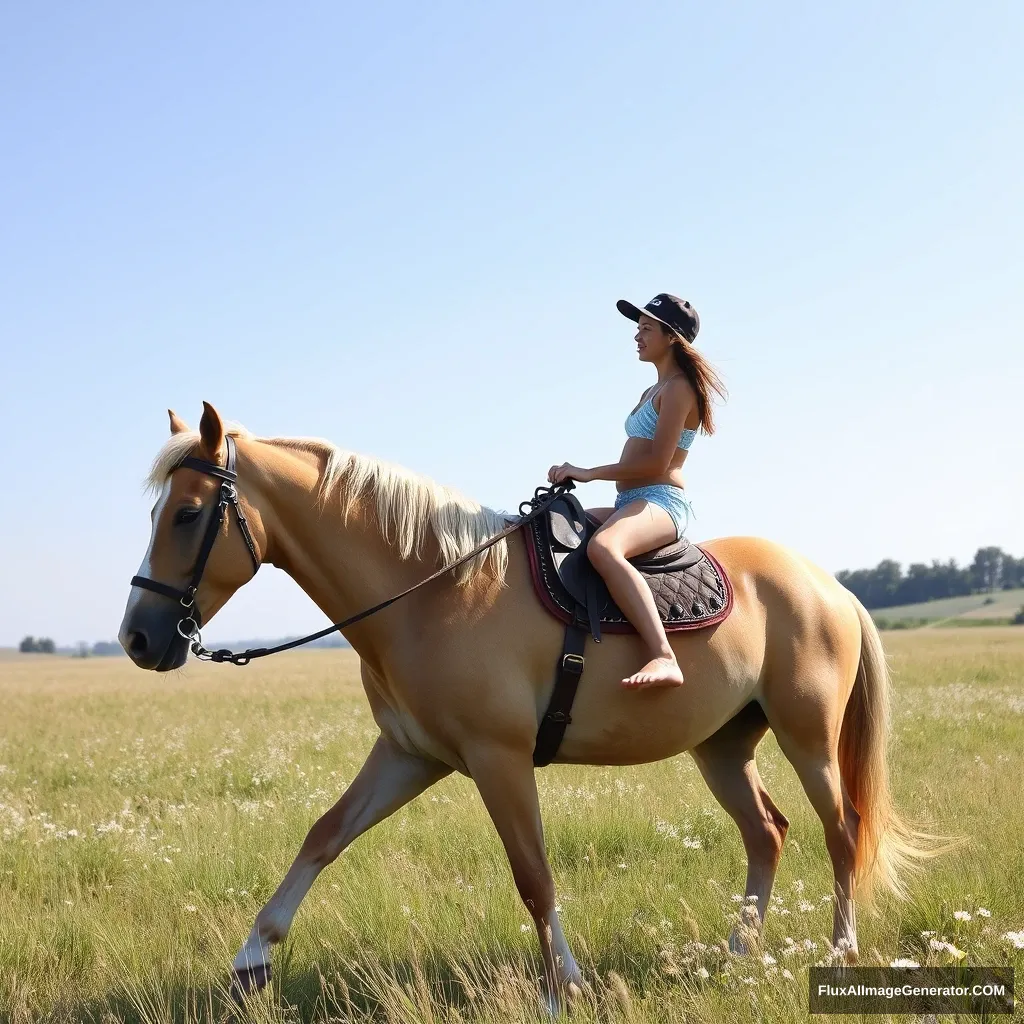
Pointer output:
690, 587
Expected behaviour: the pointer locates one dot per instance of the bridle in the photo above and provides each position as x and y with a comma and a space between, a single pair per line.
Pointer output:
189, 623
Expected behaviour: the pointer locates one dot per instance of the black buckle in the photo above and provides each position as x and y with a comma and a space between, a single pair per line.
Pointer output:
573, 663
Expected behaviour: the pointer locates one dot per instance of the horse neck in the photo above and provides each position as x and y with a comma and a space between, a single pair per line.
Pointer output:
343, 564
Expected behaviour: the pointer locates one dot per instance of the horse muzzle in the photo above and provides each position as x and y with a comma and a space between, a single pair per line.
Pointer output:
151, 639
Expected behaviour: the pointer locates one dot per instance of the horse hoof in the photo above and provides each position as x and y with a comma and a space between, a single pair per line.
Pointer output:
250, 979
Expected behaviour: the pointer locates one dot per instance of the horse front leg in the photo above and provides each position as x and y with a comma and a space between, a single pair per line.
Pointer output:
505, 779
388, 779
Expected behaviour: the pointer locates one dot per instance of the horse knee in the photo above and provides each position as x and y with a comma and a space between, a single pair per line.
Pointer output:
763, 837
536, 889
323, 842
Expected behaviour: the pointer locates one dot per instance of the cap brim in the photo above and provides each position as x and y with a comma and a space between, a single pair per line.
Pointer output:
627, 309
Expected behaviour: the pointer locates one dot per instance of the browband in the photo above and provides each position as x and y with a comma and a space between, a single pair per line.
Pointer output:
228, 475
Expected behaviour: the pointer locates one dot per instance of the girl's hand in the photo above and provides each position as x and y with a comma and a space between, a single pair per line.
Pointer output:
567, 471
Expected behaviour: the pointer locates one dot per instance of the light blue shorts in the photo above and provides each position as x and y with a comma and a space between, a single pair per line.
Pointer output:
671, 499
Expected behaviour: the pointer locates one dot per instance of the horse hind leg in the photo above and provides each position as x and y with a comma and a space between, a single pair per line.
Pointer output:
726, 760
818, 771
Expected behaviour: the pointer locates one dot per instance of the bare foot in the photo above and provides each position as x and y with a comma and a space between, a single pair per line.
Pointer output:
657, 672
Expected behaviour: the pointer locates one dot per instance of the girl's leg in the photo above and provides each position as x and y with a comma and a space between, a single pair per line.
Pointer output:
601, 514
631, 530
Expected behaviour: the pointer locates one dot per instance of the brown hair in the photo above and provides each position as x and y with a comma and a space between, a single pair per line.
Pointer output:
702, 376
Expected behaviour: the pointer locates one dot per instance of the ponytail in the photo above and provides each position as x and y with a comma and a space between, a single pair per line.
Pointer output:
703, 378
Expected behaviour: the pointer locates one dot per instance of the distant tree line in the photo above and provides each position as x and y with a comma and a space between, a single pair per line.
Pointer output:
887, 585
44, 645
37, 645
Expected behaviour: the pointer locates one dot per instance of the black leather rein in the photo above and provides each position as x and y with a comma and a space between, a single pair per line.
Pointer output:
189, 623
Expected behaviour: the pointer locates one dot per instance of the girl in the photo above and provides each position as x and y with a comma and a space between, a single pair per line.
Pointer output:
651, 507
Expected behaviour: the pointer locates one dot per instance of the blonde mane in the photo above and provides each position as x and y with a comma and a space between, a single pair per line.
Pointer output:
409, 506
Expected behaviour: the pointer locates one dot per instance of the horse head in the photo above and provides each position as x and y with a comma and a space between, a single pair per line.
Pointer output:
200, 550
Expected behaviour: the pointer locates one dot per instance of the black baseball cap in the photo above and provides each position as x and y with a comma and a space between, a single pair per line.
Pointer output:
675, 313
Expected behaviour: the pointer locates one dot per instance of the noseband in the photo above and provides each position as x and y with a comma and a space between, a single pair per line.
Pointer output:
188, 625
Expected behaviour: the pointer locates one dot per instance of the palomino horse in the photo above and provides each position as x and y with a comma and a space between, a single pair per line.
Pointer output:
459, 673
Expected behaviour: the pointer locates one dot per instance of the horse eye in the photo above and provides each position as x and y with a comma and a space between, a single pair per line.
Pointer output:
186, 515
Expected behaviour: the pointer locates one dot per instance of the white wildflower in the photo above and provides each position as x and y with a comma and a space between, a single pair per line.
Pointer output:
961, 915
1016, 939
666, 829
982, 912
941, 946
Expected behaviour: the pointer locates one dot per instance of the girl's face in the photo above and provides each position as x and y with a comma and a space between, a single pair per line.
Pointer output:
652, 343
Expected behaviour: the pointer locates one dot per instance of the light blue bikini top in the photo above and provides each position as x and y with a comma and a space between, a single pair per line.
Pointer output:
642, 422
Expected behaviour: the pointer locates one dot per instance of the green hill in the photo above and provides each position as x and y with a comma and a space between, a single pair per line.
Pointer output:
1001, 604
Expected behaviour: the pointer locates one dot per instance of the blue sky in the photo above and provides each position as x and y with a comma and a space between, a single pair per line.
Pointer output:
379, 223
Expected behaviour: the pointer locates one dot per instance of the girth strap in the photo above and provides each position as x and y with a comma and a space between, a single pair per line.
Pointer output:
567, 678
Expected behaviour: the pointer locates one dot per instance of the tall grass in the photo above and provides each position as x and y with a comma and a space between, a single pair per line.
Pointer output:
144, 820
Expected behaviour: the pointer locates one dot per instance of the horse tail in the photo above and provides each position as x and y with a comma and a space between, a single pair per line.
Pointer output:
888, 848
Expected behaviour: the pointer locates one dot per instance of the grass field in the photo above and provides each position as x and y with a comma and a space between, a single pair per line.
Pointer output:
1002, 604
144, 819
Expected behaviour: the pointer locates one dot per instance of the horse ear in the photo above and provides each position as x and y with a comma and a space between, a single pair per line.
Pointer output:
211, 430
178, 425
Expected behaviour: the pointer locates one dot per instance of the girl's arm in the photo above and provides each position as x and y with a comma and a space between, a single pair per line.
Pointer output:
677, 402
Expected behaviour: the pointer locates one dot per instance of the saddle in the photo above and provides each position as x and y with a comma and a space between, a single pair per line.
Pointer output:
690, 589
